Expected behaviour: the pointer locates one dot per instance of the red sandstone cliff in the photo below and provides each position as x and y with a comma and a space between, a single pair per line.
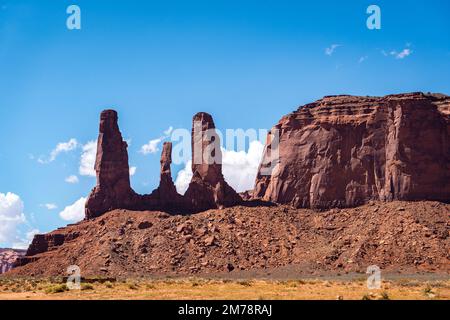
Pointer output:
8, 258
343, 151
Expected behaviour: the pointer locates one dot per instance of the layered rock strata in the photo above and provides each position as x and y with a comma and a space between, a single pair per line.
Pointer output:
343, 151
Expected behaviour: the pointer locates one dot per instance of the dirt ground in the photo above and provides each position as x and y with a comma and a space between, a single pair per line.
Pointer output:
393, 288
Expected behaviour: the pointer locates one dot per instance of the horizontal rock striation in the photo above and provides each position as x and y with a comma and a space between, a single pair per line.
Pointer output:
343, 151
43, 243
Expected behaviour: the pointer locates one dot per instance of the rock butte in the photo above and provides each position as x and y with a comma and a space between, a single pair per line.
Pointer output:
343, 151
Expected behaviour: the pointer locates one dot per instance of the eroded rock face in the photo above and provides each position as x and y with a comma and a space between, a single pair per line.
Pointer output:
343, 151
113, 190
43, 243
166, 186
166, 195
8, 258
208, 188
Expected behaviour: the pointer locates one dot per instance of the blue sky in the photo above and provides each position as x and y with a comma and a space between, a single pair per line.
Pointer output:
158, 63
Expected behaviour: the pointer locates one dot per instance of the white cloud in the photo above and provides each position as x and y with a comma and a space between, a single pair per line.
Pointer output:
329, 51
151, 147
362, 59
133, 171
239, 168
184, 177
11, 216
24, 243
74, 212
87, 161
403, 54
50, 206
72, 179
30, 234
61, 147
399, 55
168, 132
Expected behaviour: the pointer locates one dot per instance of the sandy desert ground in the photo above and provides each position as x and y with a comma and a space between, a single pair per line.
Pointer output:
200, 289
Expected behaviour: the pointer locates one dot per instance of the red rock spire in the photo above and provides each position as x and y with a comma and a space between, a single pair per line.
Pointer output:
208, 188
113, 190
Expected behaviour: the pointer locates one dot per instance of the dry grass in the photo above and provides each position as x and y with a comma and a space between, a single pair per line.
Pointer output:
199, 289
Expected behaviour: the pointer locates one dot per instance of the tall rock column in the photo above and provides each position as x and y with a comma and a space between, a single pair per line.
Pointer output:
166, 196
166, 183
113, 190
208, 188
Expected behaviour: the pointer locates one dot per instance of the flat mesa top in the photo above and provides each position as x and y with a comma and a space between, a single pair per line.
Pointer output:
348, 107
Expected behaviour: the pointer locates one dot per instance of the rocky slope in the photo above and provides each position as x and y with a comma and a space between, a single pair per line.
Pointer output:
8, 257
343, 151
396, 236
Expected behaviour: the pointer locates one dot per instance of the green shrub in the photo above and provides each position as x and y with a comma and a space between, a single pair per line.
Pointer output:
428, 290
87, 286
133, 286
245, 283
385, 296
150, 286
59, 288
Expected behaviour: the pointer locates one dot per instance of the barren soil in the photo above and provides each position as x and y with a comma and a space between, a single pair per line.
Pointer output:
258, 242
201, 289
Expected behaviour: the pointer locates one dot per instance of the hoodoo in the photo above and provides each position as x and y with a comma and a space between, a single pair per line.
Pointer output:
208, 188
113, 190
166, 195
